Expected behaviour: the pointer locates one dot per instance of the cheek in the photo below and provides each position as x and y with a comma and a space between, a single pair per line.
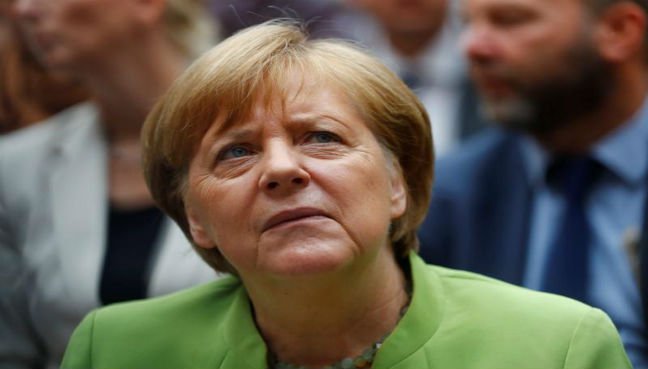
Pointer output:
361, 192
543, 44
377, 187
222, 208
226, 213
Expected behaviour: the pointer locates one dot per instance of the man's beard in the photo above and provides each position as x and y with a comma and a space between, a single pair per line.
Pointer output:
579, 87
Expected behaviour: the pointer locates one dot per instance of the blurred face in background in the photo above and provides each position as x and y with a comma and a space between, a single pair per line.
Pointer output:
28, 92
535, 62
70, 34
406, 17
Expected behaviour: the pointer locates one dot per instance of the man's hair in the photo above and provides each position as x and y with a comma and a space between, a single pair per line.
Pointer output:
248, 69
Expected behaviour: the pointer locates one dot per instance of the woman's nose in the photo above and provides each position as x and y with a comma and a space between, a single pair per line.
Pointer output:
282, 170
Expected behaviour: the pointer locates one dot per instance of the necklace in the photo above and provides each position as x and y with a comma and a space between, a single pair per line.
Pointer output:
362, 361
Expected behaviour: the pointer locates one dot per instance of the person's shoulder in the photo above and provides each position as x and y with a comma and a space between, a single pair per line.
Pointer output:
214, 296
27, 140
518, 310
31, 138
464, 285
182, 329
514, 327
25, 153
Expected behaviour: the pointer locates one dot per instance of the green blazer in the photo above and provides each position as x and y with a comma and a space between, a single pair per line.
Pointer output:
455, 320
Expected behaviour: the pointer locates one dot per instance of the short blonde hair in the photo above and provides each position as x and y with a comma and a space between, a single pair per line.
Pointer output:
190, 26
227, 80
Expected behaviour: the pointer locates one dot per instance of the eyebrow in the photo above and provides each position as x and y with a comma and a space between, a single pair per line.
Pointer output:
314, 118
236, 133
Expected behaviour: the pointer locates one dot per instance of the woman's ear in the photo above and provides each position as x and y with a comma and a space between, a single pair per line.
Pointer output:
398, 190
199, 234
621, 32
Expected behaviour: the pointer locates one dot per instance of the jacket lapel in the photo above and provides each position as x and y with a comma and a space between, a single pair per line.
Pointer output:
77, 183
643, 263
246, 347
502, 214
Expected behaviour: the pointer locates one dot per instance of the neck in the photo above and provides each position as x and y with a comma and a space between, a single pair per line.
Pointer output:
127, 84
581, 134
355, 308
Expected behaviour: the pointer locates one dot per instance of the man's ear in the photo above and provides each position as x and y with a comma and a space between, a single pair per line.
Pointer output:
149, 11
199, 234
398, 190
621, 32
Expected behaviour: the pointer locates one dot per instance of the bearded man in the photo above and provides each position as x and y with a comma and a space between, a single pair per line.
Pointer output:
554, 197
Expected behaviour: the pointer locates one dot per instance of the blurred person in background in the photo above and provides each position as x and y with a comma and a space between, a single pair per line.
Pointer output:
318, 15
28, 92
418, 40
555, 197
75, 214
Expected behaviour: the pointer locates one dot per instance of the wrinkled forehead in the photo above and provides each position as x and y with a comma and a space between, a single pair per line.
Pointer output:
300, 92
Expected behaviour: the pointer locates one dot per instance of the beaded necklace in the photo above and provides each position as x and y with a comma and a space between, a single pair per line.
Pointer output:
362, 361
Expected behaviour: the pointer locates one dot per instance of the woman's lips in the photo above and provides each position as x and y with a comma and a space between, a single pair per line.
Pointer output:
293, 215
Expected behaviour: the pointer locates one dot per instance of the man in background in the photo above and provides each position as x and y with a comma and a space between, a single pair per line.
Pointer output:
418, 40
234, 15
554, 198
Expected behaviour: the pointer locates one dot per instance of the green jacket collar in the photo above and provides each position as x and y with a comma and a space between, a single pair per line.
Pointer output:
248, 350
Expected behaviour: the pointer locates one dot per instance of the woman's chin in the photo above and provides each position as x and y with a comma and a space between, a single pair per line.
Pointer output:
303, 262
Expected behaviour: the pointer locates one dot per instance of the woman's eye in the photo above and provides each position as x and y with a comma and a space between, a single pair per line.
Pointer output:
234, 152
323, 137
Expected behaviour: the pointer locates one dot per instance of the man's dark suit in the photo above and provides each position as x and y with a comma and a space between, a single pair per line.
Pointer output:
479, 215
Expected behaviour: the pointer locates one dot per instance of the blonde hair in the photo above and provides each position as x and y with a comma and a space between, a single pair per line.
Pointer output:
225, 82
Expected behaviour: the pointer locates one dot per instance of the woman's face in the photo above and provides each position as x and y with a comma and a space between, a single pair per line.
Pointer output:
69, 34
298, 189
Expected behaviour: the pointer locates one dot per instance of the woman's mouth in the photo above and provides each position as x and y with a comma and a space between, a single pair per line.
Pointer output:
293, 216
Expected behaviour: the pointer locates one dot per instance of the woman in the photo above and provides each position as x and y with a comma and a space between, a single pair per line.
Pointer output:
78, 227
304, 167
